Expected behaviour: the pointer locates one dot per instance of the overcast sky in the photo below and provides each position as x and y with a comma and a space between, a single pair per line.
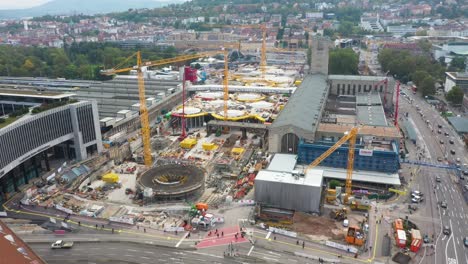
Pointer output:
14, 4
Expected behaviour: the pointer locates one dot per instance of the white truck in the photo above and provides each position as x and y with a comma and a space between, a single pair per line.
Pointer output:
61, 244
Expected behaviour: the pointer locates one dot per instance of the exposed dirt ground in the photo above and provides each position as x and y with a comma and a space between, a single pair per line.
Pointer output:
318, 227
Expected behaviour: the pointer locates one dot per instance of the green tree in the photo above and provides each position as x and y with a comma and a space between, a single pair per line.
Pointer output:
418, 76
455, 95
334, 183
457, 63
343, 61
427, 86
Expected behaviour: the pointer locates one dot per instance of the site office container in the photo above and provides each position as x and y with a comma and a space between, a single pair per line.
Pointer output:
398, 224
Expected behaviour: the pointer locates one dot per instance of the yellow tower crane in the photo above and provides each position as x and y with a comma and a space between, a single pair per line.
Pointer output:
351, 136
145, 127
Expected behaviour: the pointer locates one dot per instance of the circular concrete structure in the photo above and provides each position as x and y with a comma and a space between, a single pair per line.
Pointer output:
173, 181
189, 110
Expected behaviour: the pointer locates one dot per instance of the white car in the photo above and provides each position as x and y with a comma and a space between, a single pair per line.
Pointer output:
346, 223
61, 244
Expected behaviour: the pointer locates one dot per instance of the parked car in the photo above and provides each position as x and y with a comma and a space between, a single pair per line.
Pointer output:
440, 159
426, 238
439, 126
443, 205
447, 230
438, 179
465, 241
451, 141
452, 152
418, 193
441, 141
446, 134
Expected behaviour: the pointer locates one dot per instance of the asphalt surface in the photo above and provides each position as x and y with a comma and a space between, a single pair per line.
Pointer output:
122, 253
431, 146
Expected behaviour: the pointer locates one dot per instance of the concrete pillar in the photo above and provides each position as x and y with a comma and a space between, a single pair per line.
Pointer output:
80, 150
46, 160
244, 133
35, 165
23, 170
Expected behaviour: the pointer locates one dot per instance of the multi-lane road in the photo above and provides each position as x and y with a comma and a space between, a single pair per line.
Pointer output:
432, 146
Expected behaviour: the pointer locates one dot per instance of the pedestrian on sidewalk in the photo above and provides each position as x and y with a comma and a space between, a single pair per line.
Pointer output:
112, 230
102, 226
297, 242
217, 235
144, 230
303, 244
138, 227
222, 233
96, 226
79, 223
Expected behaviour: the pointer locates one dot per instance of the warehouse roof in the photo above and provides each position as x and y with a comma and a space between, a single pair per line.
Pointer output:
283, 162
379, 131
304, 107
368, 99
371, 115
459, 123
362, 176
355, 77
313, 177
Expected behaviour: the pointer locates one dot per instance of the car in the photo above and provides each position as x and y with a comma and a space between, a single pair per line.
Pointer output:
452, 152
439, 126
458, 160
440, 159
465, 241
346, 223
465, 172
451, 141
439, 131
446, 134
426, 239
61, 244
438, 179
441, 141
415, 200
443, 205
418, 193
466, 187
462, 177
447, 230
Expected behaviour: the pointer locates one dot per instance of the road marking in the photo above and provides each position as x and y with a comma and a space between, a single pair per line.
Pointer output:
205, 254
268, 235
271, 259
128, 255
149, 252
181, 240
144, 257
454, 246
444, 237
134, 250
250, 251
273, 253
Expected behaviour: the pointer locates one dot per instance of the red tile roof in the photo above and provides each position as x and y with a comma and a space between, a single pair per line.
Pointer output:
13, 250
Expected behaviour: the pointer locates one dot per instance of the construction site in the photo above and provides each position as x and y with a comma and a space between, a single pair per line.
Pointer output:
274, 140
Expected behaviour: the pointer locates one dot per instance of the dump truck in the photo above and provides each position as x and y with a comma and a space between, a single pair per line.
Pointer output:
61, 244
355, 236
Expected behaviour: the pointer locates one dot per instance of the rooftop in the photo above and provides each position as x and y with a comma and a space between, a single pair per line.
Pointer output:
459, 123
362, 176
372, 98
283, 162
371, 115
458, 75
304, 107
34, 94
313, 178
14, 250
378, 131
355, 77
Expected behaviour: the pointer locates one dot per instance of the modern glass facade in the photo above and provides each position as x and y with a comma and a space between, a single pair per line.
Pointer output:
382, 161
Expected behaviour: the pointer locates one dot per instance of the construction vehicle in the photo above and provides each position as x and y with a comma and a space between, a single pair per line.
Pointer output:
145, 127
351, 136
339, 214
358, 206
355, 236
